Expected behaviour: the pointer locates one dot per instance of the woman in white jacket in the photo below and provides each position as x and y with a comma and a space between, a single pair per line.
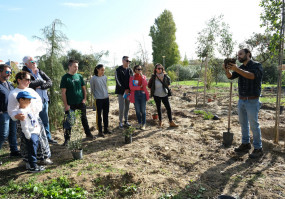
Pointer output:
23, 79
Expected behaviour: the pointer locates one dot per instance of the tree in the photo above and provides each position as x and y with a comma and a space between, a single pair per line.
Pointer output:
185, 61
226, 44
206, 43
164, 40
54, 40
273, 18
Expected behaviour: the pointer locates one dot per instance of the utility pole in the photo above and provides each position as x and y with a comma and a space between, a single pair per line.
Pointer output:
163, 61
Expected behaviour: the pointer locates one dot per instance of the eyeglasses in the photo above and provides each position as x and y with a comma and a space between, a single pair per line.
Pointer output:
8, 72
28, 80
138, 69
159, 68
33, 62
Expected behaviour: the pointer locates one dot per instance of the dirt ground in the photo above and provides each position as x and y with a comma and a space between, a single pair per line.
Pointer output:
185, 162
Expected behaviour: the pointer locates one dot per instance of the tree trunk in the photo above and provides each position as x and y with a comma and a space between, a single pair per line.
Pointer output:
278, 97
205, 80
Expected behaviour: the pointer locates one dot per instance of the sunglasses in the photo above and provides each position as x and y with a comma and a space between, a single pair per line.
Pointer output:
138, 69
28, 80
8, 72
127, 60
33, 62
159, 68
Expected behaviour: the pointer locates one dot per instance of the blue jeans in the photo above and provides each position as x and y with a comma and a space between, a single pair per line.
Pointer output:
8, 129
32, 148
140, 104
248, 115
44, 118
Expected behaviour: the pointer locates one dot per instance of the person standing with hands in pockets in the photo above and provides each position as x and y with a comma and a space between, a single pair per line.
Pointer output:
122, 75
139, 95
159, 87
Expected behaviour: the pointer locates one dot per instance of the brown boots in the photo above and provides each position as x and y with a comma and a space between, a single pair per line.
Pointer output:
172, 124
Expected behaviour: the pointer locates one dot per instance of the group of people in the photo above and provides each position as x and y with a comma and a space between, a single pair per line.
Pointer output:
24, 109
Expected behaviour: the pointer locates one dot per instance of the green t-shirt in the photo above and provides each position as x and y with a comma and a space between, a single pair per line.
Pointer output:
73, 85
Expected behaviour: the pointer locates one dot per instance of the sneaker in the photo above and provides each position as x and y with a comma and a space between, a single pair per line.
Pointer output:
127, 124
89, 136
36, 169
121, 126
107, 132
243, 148
143, 127
256, 153
46, 161
138, 126
100, 134
51, 141
15, 154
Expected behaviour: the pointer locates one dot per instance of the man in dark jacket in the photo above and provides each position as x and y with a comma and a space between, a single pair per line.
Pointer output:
122, 76
7, 125
249, 76
40, 82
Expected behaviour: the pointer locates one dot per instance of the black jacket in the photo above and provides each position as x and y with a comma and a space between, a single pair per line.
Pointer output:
122, 79
4, 94
36, 83
151, 83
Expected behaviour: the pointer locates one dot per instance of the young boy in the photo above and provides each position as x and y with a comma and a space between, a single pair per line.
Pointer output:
31, 129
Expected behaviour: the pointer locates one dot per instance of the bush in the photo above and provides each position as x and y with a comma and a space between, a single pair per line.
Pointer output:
185, 72
172, 75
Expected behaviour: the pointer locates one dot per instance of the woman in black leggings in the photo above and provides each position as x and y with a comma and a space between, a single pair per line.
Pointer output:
158, 84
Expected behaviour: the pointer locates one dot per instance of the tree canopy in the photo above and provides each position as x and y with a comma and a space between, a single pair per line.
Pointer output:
164, 40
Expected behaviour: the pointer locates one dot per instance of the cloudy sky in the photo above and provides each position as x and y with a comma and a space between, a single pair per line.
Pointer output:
116, 25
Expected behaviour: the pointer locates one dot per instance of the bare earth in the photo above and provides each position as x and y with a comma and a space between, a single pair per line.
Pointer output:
185, 162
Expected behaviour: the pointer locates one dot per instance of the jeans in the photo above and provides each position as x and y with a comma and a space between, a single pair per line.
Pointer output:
44, 118
140, 104
84, 121
166, 103
102, 105
8, 129
248, 115
32, 148
124, 105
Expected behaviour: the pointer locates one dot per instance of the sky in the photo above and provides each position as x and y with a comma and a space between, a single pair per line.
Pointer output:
118, 26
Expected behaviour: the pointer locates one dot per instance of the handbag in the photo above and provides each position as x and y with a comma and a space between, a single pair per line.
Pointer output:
169, 92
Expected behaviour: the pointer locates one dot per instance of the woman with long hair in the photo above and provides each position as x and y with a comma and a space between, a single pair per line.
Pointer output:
139, 95
99, 89
23, 80
158, 84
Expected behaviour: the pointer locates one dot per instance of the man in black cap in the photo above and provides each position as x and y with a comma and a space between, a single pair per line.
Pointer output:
122, 76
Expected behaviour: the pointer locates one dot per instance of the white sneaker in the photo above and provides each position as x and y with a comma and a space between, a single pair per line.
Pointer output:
46, 161
143, 127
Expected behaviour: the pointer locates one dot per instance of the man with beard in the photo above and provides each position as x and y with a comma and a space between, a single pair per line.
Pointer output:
249, 87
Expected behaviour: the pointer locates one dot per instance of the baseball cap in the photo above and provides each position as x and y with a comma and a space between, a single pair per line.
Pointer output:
25, 94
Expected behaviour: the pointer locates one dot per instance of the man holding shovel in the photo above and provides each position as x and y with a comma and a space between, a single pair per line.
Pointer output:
249, 87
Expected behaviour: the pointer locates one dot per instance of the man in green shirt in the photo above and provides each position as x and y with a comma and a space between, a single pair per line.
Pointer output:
73, 93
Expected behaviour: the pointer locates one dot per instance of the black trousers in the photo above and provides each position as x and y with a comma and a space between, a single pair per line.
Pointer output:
165, 101
84, 121
102, 105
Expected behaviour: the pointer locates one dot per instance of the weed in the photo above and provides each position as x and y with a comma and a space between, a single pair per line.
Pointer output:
206, 115
55, 188
128, 190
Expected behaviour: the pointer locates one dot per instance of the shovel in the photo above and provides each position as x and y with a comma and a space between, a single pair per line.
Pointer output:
228, 136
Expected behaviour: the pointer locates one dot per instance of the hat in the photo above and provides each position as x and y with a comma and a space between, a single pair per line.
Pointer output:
25, 94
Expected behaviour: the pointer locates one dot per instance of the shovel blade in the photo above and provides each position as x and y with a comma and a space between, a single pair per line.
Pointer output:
228, 138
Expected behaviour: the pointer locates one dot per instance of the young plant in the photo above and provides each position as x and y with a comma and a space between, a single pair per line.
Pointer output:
76, 132
129, 131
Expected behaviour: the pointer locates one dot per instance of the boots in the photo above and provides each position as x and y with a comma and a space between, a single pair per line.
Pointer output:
66, 137
172, 124
159, 123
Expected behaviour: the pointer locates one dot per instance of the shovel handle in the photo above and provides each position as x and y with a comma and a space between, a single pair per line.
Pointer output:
230, 107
